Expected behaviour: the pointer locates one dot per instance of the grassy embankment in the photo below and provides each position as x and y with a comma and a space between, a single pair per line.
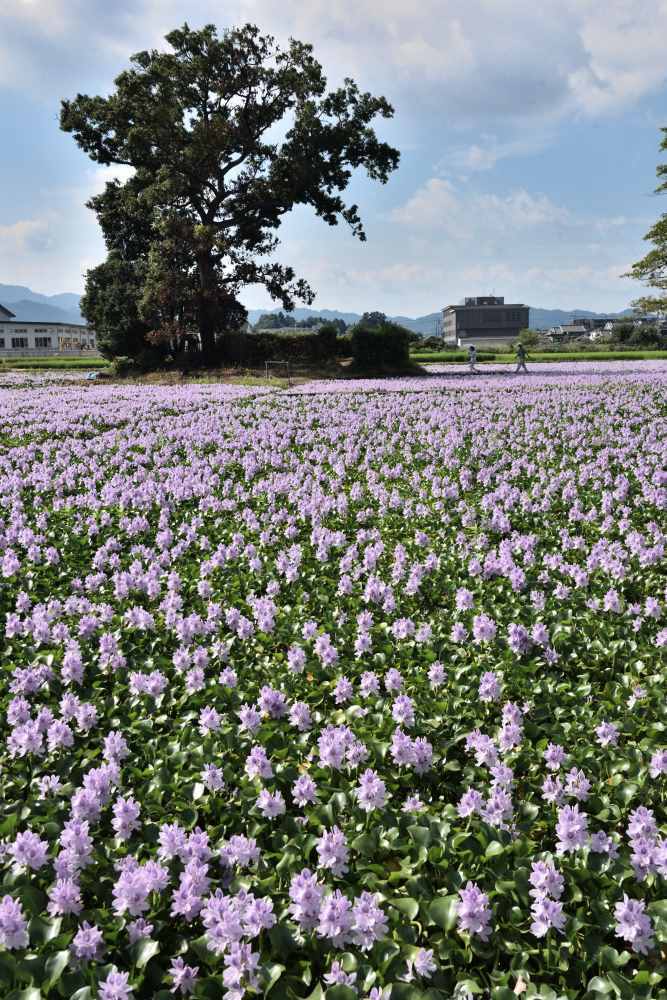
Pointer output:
461, 357
74, 363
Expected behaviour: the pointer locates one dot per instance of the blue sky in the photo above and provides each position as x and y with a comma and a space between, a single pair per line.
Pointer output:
529, 134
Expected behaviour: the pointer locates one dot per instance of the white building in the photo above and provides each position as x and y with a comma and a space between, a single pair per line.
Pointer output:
38, 337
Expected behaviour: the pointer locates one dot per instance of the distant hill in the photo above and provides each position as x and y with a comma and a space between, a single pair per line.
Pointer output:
64, 308
428, 325
29, 305
38, 312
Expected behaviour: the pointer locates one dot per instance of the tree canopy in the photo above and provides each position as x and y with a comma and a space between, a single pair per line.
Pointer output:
652, 269
226, 134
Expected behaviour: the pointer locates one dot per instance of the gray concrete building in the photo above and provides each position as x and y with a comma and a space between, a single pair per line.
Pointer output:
483, 320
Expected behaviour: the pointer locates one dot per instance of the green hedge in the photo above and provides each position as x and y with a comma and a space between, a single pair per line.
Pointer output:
272, 345
386, 344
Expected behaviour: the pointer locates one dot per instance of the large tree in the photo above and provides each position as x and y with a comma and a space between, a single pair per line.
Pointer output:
652, 269
226, 135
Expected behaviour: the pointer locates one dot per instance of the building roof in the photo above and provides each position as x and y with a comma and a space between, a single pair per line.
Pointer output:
6, 313
503, 305
38, 322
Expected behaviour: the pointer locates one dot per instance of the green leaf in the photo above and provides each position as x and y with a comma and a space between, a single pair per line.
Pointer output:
143, 951
410, 907
85, 993
273, 972
54, 968
32, 993
340, 992
599, 985
42, 930
442, 911
494, 849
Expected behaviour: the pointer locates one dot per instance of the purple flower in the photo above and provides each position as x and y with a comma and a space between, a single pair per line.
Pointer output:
393, 680
572, 829
304, 790
13, 924
257, 764
184, 977
343, 691
464, 599
272, 702
473, 913
607, 734
577, 785
115, 987
300, 716
546, 880
88, 943
335, 919
484, 629
436, 674
65, 897
658, 763
332, 851
403, 710
139, 929
371, 791
336, 976
369, 924
554, 755
370, 684
470, 803
213, 777
125, 817
270, 805
306, 895
634, 925
546, 913
29, 851
422, 964
489, 686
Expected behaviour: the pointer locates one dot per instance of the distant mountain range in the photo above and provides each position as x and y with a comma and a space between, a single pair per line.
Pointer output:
428, 325
64, 308
29, 305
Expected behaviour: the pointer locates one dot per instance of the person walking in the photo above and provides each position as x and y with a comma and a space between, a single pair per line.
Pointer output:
472, 357
520, 359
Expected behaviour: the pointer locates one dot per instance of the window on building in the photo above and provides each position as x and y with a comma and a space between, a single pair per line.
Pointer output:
42, 341
2, 343
19, 341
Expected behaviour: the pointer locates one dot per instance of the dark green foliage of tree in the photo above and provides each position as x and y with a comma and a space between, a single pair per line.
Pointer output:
652, 269
639, 335
199, 125
111, 304
529, 338
384, 344
274, 321
370, 319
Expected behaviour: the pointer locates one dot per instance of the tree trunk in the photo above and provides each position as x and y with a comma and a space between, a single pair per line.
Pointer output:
206, 307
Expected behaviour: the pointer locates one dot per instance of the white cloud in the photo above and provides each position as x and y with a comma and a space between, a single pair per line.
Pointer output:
508, 58
25, 236
438, 205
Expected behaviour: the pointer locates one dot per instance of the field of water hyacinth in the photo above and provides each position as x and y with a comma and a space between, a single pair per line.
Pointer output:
334, 695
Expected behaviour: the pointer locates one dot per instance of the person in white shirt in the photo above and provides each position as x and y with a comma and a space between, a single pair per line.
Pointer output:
472, 357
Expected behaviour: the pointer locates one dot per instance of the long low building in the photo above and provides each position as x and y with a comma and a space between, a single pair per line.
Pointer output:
35, 337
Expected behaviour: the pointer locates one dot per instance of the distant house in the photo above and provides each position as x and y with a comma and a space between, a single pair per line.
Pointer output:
483, 320
568, 331
39, 337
